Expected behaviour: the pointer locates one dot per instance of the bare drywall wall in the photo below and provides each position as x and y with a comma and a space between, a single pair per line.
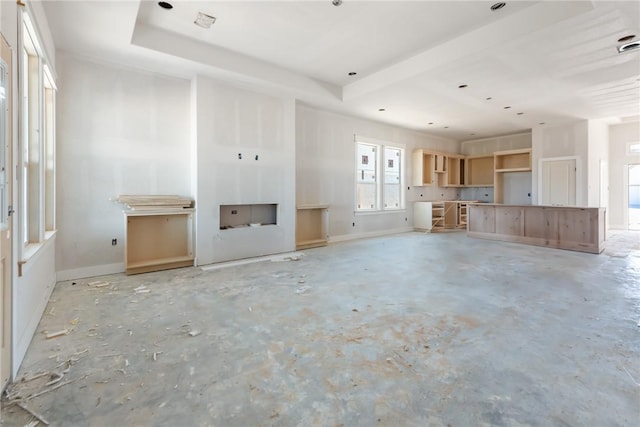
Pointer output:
245, 151
620, 136
119, 131
570, 140
598, 154
325, 170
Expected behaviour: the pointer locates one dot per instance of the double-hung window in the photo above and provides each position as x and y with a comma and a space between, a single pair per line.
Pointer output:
37, 141
379, 175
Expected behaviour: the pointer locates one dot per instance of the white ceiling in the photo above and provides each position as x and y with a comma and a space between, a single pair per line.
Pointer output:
551, 61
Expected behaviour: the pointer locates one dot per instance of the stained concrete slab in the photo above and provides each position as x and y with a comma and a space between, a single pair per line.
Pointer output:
409, 330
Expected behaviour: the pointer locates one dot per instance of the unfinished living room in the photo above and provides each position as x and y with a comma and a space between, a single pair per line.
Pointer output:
320, 213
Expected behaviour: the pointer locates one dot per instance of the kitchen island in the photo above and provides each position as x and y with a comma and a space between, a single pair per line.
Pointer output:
562, 227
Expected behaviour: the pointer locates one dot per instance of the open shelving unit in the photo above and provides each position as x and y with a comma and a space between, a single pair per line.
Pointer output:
158, 240
423, 168
437, 216
509, 162
311, 226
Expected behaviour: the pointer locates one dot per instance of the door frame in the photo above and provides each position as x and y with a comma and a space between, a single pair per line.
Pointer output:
6, 254
625, 195
579, 201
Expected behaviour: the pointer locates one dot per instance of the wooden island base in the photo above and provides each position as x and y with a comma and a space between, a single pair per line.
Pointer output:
562, 227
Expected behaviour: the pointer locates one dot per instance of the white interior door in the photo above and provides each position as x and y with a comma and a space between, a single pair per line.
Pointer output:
6, 178
559, 182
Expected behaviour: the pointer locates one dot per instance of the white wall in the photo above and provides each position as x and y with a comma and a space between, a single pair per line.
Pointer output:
619, 160
231, 121
119, 131
598, 153
482, 146
325, 170
562, 141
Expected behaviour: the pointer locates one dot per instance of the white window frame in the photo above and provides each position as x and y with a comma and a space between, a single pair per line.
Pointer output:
380, 169
36, 154
631, 150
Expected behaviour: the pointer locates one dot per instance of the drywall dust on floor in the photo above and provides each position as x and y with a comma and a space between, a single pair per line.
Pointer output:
410, 330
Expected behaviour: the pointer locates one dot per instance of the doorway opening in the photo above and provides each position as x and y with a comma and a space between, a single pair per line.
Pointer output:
634, 197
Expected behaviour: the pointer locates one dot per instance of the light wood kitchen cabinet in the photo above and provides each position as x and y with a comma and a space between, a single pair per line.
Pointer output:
479, 171
423, 163
440, 215
454, 174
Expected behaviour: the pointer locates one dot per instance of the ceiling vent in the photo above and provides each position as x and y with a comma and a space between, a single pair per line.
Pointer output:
628, 47
203, 20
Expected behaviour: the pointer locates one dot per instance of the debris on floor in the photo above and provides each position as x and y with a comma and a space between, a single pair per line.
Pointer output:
58, 333
302, 289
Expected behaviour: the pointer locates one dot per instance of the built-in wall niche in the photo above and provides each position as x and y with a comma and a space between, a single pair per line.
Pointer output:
240, 216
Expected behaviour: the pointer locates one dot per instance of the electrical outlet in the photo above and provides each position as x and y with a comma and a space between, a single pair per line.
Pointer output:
114, 242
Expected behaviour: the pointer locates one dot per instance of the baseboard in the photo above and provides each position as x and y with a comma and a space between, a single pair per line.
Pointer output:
96, 270
21, 345
369, 234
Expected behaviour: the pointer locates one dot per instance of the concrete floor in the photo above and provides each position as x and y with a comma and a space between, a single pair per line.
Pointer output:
410, 330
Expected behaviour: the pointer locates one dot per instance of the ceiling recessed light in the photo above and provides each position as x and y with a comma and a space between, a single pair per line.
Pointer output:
489, 99
541, 123
462, 86
472, 134
381, 109
203, 20
430, 123
446, 127
520, 114
352, 73
628, 46
507, 107
165, 5
336, 2
627, 38
498, 6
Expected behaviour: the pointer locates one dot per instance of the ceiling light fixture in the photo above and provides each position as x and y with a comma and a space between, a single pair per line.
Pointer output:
627, 38
628, 47
430, 123
446, 127
489, 98
381, 109
336, 2
352, 73
541, 123
498, 6
520, 114
203, 20
462, 86
165, 5
506, 108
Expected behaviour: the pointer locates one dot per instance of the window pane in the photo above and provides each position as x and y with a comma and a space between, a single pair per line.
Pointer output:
634, 175
392, 178
366, 196
4, 134
634, 148
366, 171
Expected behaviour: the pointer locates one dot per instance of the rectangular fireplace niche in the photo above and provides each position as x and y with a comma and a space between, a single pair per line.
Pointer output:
242, 216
